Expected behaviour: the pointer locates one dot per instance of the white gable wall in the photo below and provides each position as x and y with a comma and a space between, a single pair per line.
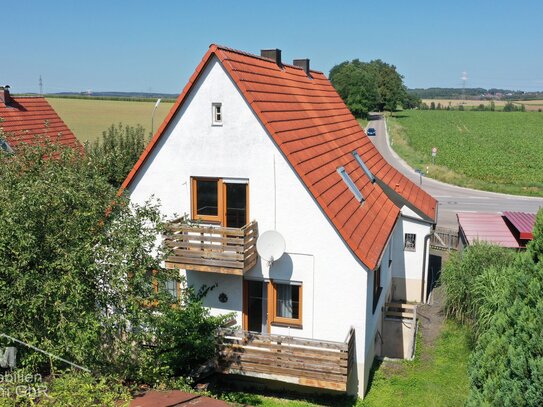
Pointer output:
407, 273
334, 281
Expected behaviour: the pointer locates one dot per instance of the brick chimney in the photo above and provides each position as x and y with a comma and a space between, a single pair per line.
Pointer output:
303, 63
5, 98
274, 54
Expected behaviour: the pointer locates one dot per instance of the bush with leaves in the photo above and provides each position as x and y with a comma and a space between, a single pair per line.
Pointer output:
117, 151
498, 294
76, 272
506, 367
459, 276
188, 335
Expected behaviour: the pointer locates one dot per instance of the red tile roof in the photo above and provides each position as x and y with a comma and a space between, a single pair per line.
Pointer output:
316, 132
523, 223
25, 117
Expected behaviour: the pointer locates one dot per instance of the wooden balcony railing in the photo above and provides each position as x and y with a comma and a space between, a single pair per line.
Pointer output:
212, 248
307, 362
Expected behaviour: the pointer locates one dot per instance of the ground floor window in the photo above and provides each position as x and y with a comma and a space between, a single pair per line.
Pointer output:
287, 304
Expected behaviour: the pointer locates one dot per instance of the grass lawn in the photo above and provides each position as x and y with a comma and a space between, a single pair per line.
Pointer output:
493, 151
89, 118
437, 377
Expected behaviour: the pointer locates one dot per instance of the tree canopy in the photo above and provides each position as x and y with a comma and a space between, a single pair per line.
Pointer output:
78, 271
368, 86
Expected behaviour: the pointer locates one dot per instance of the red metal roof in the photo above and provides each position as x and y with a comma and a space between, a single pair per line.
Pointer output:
314, 129
523, 222
487, 227
24, 118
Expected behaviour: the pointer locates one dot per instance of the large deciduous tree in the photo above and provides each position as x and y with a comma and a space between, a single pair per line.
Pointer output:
78, 267
368, 86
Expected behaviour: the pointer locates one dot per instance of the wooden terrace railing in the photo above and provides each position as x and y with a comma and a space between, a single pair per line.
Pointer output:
212, 248
307, 362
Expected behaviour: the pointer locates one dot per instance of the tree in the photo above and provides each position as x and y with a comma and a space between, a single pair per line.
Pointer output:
369, 86
77, 266
356, 85
411, 101
117, 151
390, 85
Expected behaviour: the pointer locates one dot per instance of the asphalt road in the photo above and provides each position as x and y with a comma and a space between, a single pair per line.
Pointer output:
452, 199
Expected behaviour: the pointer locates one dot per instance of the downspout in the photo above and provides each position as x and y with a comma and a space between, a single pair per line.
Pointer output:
424, 271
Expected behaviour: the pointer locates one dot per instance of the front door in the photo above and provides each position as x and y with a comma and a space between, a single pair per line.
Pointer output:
255, 306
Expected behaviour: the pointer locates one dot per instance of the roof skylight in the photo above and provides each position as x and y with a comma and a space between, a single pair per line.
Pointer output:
347, 179
364, 167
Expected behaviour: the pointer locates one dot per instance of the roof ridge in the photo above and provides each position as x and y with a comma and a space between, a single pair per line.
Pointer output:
248, 54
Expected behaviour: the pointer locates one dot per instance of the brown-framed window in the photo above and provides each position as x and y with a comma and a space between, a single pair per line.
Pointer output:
286, 304
173, 287
377, 289
221, 201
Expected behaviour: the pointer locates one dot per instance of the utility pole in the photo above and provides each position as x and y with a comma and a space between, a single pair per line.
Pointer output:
153, 117
41, 86
464, 80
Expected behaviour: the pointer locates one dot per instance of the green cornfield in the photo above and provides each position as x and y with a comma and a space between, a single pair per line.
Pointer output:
495, 151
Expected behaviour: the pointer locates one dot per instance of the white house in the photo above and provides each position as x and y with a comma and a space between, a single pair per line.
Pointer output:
253, 145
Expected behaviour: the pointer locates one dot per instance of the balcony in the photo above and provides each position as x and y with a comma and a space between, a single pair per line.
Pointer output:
213, 249
306, 362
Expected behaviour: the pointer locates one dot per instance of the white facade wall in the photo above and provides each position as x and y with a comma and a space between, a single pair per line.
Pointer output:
407, 273
334, 281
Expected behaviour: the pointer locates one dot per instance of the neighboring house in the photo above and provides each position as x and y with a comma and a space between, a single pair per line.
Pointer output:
253, 144
510, 229
29, 119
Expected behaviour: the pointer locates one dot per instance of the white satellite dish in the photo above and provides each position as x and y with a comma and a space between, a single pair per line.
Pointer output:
270, 246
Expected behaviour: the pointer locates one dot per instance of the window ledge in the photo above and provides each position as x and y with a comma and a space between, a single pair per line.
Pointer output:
287, 325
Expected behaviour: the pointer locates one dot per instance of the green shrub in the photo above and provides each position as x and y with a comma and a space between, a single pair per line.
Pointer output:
82, 389
187, 337
459, 276
506, 367
117, 151
498, 294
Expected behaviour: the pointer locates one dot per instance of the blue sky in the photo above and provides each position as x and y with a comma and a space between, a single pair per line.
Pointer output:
155, 45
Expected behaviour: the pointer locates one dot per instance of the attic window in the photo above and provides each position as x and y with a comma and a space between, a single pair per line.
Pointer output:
364, 167
216, 111
350, 184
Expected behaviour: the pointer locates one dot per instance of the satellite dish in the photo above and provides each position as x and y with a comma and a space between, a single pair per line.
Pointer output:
270, 246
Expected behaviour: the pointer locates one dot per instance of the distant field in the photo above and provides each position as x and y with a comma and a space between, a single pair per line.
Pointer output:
89, 118
493, 151
530, 105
